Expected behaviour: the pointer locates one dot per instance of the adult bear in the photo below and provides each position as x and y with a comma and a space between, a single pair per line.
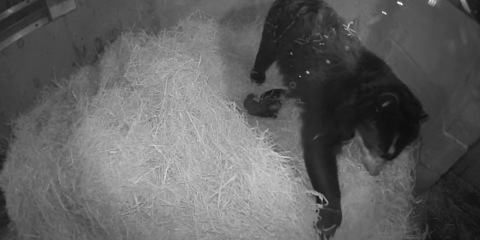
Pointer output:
344, 90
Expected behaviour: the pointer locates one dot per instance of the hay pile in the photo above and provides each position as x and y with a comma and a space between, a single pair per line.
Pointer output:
150, 144
451, 210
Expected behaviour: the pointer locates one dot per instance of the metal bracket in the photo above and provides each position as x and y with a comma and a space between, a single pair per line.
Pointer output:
58, 8
28, 15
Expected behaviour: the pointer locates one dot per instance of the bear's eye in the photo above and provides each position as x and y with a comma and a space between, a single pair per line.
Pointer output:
388, 100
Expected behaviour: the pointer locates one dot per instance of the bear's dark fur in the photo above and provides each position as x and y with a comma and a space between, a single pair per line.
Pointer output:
344, 89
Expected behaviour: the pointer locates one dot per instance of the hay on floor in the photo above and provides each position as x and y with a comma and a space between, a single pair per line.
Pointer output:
150, 144
451, 210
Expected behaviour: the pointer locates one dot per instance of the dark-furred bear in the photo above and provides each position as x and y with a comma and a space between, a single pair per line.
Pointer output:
344, 90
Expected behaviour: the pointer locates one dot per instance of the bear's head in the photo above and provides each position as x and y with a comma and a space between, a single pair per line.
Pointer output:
393, 123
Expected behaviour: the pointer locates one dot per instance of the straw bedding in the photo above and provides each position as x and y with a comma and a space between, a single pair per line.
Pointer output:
151, 143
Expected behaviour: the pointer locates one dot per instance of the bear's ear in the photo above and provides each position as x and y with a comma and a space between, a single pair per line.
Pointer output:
388, 100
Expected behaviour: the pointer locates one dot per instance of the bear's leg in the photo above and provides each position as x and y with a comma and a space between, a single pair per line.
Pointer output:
320, 152
266, 54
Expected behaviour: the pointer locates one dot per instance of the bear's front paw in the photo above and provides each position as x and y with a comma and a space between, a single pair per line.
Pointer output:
329, 219
257, 77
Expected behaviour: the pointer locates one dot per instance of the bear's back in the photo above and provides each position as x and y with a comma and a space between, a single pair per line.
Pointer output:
313, 46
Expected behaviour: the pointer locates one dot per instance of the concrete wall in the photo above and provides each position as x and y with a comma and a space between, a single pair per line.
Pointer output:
433, 49
54, 51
